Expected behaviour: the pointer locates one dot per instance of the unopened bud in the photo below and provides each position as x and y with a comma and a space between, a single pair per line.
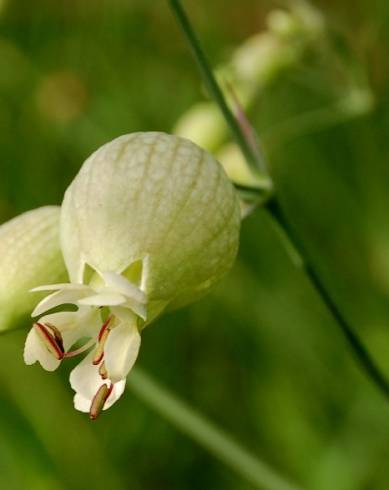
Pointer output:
30, 255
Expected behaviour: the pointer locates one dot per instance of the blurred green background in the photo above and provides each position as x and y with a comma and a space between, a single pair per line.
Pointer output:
260, 355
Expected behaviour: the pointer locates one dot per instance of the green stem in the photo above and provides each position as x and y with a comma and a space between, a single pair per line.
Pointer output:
359, 350
205, 433
361, 354
251, 194
214, 89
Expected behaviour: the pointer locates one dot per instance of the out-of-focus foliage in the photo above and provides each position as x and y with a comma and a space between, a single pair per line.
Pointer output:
260, 355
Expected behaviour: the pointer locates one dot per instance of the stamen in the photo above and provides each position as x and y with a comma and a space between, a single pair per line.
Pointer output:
82, 349
53, 342
103, 334
99, 400
57, 334
99, 352
104, 327
103, 371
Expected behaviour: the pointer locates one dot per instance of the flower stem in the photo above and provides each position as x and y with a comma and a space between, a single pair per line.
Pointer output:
213, 88
360, 352
205, 433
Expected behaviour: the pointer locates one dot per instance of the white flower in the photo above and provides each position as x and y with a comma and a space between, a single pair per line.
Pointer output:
150, 223
116, 340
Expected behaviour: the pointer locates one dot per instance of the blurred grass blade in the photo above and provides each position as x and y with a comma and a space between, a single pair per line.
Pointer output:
255, 161
66, 436
361, 354
205, 433
356, 104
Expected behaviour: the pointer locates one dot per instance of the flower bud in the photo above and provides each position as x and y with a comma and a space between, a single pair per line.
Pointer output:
234, 164
29, 255
204, 125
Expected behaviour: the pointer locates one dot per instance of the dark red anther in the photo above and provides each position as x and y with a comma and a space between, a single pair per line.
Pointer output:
99, 400
103, 371
53, 341
57, 335
104, 327
102, 337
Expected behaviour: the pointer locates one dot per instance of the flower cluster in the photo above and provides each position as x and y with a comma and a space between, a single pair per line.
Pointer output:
150, 223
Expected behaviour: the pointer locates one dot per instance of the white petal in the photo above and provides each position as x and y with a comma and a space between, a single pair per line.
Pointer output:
81, 403
117, 392
123, 314
57, 287
74, 325
85, 378
85, 381
137, 308
58, 298
35, 350
124, 286
121, 350
84, 404
103, 299
62, 320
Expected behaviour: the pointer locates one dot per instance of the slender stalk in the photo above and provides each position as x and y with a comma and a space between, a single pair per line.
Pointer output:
213, 87
205, 433
251, 194
360, 352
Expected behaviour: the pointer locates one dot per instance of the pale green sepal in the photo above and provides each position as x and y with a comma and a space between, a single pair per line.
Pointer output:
30, 255
155, 200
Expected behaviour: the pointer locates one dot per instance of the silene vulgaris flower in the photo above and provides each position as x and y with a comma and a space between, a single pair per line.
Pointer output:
150, 223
